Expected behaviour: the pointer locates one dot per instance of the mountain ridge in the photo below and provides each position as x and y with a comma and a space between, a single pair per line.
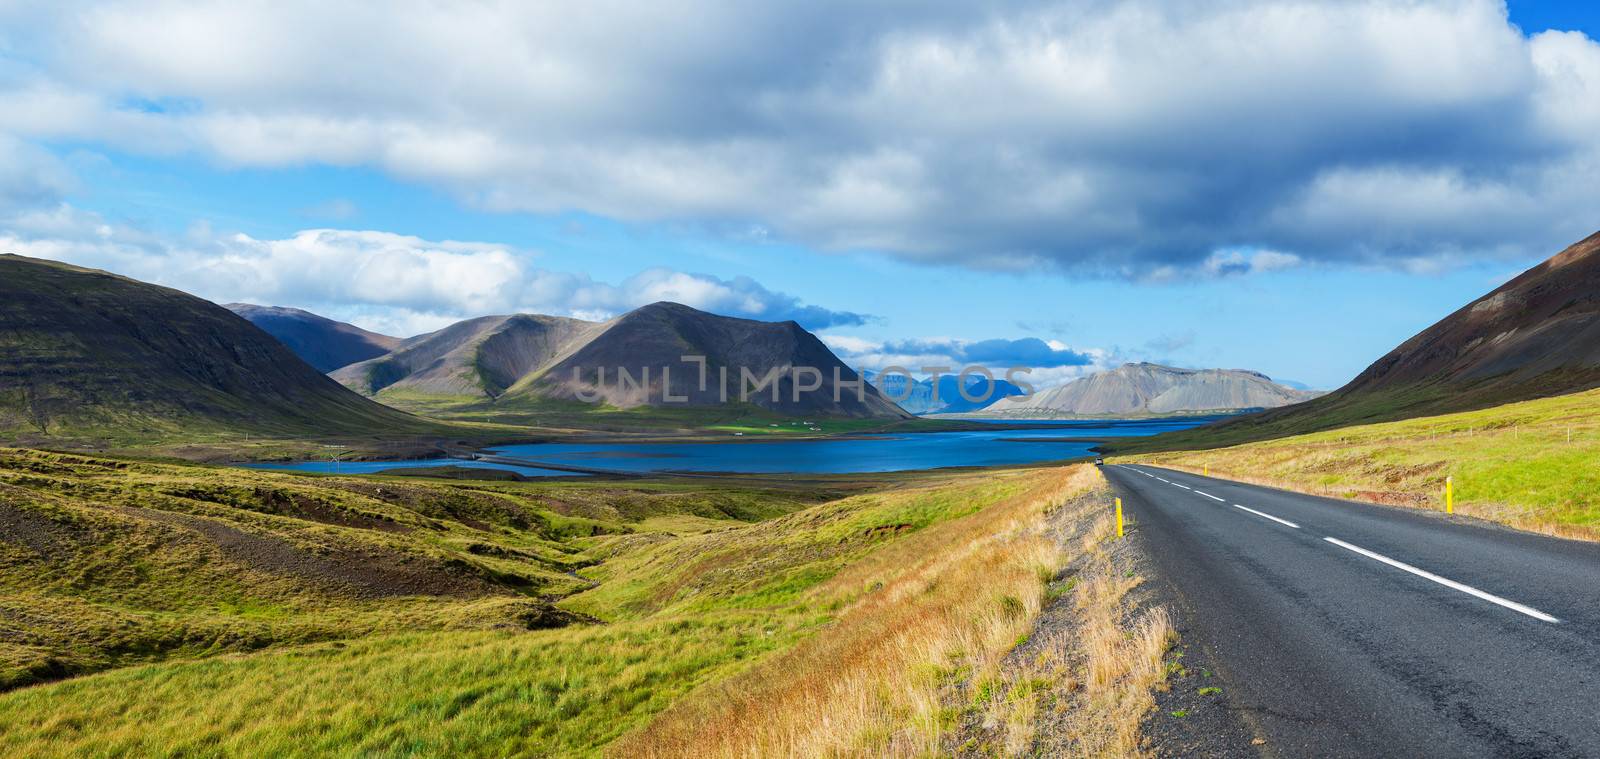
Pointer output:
88, 352
323, 343
1146, 389
532, 358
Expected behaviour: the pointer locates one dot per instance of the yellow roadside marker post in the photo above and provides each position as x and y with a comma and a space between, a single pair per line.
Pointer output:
1119, 517
1449, 495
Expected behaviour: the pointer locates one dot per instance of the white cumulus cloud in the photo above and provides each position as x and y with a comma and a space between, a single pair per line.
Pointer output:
1087, 135
398, 284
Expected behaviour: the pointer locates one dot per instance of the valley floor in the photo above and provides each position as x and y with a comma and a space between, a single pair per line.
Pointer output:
160, 609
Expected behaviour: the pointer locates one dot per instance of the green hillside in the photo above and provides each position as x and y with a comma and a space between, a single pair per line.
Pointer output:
1530, 464
87, 355
107, 562
153, 609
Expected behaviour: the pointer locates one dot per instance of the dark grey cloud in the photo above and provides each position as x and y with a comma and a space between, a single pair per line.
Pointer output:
1136, 138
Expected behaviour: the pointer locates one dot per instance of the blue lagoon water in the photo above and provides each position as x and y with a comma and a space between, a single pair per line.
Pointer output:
891, 452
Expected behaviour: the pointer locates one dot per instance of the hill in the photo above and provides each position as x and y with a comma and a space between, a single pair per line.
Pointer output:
1144, 389
479, 358
525, 360
922, 397
321, 342
87, 353
1536, 336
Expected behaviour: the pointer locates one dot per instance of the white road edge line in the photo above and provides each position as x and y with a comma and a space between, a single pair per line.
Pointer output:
1468, 589
1212, 497
1263, 515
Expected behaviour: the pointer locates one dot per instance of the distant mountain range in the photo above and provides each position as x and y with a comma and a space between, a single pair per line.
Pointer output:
1144, 389
922, 397
321, 342
1537, 335
84, 352
521, 358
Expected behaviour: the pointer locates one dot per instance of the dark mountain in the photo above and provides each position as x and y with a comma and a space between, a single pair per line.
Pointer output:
922, 397
522, 358
321, 342
1535, 336
1152, 389
84, 352
480, 357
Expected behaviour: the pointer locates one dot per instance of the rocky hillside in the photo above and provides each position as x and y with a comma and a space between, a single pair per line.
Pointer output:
524, 358
1537, 335
321, 342
1151, 389
84, 352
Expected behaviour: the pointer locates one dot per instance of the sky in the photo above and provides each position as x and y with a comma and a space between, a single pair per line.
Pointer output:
1289, 187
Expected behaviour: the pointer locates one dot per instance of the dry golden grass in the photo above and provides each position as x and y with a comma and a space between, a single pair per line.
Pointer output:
920, 644
1085, 689
939, 607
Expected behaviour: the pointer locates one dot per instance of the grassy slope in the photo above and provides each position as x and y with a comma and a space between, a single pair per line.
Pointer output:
1528, 464
89, 356
1342, 410
105, 563
454, 670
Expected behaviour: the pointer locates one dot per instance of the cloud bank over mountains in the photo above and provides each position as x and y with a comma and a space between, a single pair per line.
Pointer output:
1048, 362
395, 284
1135, 138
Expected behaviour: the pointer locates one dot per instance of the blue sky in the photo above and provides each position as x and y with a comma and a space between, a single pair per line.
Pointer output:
1299, 219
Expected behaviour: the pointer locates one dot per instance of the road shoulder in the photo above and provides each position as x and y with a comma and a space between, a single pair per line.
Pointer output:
1195, 714
1101, 673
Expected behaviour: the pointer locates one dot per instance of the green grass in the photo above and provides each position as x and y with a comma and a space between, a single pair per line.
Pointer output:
1528, 464
770, 565
149, 626
107, 562
434, 694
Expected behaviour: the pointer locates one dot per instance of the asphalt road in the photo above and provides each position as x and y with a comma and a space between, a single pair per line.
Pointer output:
1347, 629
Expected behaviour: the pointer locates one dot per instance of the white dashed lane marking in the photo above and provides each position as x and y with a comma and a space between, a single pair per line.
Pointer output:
1426, 575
